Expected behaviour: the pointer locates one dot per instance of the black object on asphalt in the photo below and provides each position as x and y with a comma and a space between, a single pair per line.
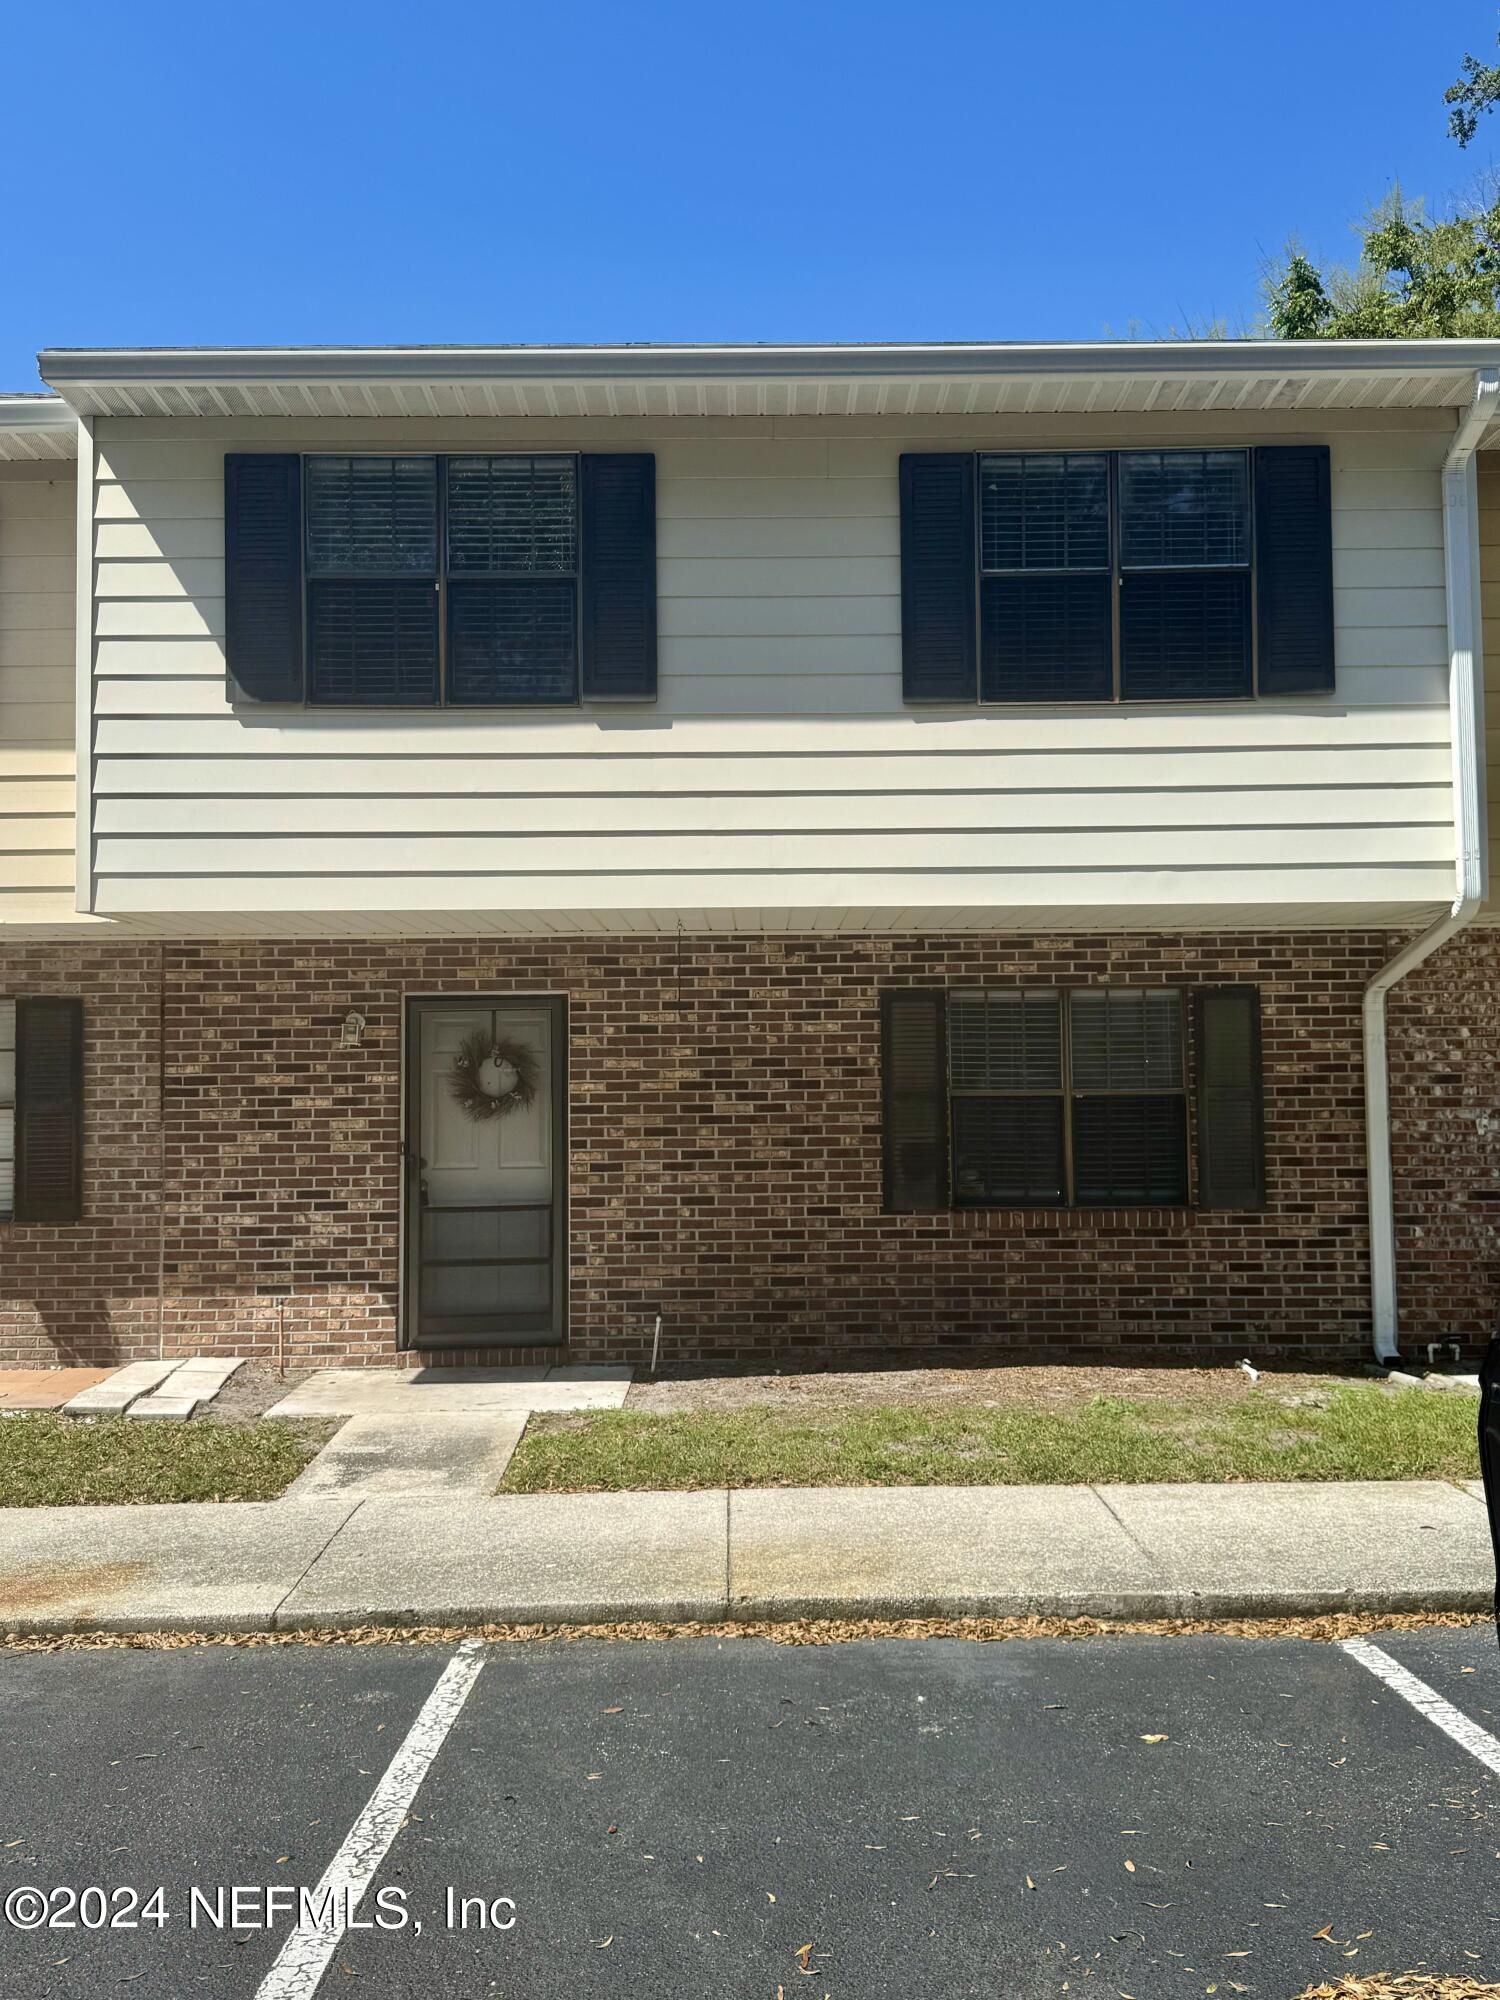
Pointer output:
1489, 1452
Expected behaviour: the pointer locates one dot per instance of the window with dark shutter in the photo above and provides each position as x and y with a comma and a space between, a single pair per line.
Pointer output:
938, 654
1231, 1145
619, 576
914, 1100
263, 576
49, 1110
471, 580
1163, 575
7, 1108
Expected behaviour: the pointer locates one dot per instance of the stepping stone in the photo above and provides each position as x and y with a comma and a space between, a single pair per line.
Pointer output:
116, 1393
442, 1457
196, 1381
45, 1388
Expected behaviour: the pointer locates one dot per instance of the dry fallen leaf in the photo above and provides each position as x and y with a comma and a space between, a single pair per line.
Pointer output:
1129, 1867
1153, 1739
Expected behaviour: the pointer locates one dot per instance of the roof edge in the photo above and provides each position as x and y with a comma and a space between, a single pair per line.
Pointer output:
82, 367
25, 412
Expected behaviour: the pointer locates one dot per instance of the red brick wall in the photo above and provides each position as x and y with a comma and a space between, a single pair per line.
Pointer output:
724, 1162
1444, 1032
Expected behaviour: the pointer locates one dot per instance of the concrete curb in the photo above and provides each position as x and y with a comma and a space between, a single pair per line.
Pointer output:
1226, 1605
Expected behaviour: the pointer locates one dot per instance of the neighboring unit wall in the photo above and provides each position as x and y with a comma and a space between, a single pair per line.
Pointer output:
725, 1157
779, 772
1445, 1145
88, 1291
38, 593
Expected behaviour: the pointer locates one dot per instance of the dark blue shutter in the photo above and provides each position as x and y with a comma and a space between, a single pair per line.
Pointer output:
263, 575
49, 1110
1231, 1143
914, 1099
939, 651
618, 557
1294, 569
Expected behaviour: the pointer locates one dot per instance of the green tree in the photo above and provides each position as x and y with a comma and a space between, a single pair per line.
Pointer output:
1477, 91
1415, 279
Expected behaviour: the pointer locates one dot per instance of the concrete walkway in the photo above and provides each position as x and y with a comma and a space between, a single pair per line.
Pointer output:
432, 1433
1113, 1552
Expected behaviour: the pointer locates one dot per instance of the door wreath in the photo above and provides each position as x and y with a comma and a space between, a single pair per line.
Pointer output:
492, 1075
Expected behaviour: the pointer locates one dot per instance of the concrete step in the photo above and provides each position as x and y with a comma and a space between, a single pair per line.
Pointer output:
115, 1394
197, 1381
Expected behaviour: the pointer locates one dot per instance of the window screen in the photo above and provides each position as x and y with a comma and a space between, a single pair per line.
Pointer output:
1067, 1098
1185, 628
1044, 613
442, 580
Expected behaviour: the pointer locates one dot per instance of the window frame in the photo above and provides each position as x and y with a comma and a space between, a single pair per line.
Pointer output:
440, 578
1067, 1095
1117, 572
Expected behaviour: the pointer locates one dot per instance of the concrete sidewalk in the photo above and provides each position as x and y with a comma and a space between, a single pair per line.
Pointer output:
867, 1552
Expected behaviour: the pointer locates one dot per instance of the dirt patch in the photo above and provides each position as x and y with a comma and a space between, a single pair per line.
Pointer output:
1323, 1630
250, 1391
1040, 1388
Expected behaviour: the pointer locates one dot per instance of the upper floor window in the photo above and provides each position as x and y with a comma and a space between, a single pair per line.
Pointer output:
1143, 575
442, 579
474, 579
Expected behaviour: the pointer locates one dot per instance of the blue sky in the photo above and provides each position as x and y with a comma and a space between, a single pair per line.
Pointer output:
795, 171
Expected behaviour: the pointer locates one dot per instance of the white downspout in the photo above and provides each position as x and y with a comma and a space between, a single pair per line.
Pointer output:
1466, 719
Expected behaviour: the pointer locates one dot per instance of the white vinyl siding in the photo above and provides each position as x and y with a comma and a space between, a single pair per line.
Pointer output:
38, 587
778, 778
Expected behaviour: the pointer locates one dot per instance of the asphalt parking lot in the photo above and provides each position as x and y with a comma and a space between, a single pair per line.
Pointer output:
1148, 1817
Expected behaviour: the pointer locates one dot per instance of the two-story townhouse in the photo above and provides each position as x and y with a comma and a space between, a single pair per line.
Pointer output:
816, 850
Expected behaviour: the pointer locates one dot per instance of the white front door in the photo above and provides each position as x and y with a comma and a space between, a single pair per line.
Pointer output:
482, 1221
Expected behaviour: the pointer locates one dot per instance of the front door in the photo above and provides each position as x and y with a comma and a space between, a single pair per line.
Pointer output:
484, 1216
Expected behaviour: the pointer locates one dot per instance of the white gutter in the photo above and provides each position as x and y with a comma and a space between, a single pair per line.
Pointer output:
68, 368
1466, 717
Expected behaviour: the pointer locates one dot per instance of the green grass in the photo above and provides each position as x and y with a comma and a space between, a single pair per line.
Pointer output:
1364, 1433
48, 1460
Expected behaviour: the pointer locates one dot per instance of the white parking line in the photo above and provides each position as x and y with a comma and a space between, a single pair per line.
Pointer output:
1427, 1701
305, 1956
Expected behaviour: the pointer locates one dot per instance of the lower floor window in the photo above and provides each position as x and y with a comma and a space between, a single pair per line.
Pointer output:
7, 1109
1074, 1099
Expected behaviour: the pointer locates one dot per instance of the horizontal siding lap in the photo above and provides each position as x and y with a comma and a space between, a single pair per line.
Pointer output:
1060, 850
689, 812
923, 896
